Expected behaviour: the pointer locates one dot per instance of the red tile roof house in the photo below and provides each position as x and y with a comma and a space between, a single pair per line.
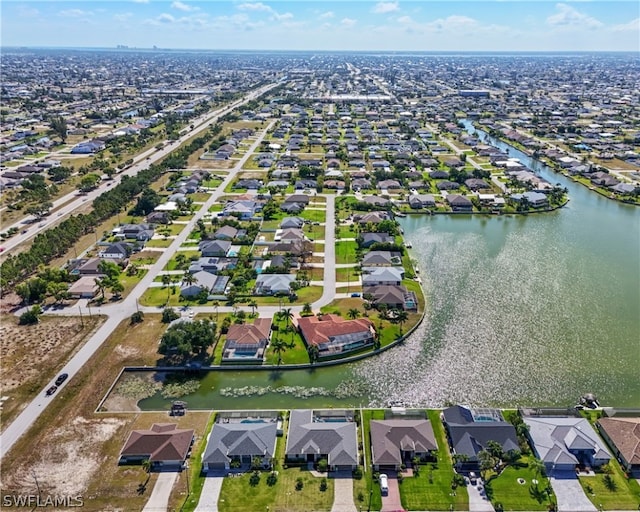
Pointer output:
335, 336
247, 342
164, 445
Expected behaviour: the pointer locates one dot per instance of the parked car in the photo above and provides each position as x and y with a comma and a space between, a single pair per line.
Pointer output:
61, 378
473, 479
51, 390
384, 484
355, 295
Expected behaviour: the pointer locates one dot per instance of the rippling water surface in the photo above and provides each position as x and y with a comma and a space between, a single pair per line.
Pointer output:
522, 310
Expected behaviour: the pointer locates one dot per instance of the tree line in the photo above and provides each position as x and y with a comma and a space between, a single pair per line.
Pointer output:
55, 242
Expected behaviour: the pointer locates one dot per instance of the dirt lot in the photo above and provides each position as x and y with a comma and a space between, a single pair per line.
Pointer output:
74, 450
32, 355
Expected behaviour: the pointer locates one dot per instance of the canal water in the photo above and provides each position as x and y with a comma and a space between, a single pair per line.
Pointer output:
522, 310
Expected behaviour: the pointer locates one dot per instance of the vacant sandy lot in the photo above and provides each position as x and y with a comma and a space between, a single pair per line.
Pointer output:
31, 355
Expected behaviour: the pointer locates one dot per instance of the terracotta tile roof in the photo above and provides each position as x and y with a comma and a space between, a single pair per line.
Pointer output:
250, 333
317, 330
625, 434
163, 442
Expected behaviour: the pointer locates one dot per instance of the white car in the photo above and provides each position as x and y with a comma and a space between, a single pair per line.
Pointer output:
384, 484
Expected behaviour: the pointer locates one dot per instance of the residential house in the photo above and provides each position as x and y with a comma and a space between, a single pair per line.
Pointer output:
535, 199
470, 430
459, 203
213, 265
158, 218
476, 184
391, 296
381, 259
164, 445
371, 217
84, 288
240, 441
247, 342
225, 233
397, 441
274, 284
623, 437
333, 335
138, 232
292, 222
368, 239
375, 276
210, 248
205, 281
563, 443
417, 201
244, 209
115, 251
312, 438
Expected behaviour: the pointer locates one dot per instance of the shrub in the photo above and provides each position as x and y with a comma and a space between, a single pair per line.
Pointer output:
255, 478
31, 316
323, 484
360, 496
400, 478
169, 315
137, 317
272, 479
299, 484
323, 465
358, 473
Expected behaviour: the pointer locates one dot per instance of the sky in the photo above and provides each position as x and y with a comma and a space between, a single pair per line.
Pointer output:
359, 25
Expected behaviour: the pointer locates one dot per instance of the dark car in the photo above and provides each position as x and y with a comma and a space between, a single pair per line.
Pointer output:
61, 378
51, 390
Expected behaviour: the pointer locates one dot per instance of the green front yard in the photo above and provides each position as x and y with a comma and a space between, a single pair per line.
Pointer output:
346, 252
431, 489
313, 215
507, 490
614, 493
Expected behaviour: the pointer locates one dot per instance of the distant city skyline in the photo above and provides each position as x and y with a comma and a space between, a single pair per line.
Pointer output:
414, 25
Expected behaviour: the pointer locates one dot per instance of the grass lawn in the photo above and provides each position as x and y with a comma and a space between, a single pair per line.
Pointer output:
346, 232
351, 274
366, 485
199, 197
313, 215
505, 488
346, 252
620, 494
431, 489
297, 354
159, 242
314, 232
158, 297
172, 263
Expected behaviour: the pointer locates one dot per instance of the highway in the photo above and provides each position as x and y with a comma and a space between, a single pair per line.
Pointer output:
30, 226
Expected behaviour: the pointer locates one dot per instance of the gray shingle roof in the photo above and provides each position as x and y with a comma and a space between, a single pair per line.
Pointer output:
229, 440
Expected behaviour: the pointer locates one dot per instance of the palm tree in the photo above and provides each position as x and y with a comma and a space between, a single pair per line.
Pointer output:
279, 346
401, 317
216, 305
166, 281
313, 353
538, 467
353, 313
306, 309
58, 125
253, 305
189, 278
288, 315
116, 288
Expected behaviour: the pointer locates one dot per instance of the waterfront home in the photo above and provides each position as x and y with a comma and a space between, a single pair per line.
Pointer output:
381, 259
273, 284
623, 437
470, 430
396, 442
535, 199
459, 203
333, 335
317, 435
164, 445
391, 296
240, 441
417, 201
247, 342
366, 240
563, 443
375, 276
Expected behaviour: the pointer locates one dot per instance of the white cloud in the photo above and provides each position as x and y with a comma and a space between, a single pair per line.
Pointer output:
405, 20
454, 22
74, 13
140, 1
567, 16
257, 6
282, 17
327, 15
385, 7
348, 22
123, 17
633, 25
181, 6
165, 18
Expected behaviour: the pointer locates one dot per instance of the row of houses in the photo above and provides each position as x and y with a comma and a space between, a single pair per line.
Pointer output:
243, 439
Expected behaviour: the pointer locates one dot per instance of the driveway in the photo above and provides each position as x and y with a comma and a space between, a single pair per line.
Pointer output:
343, 492
569, 493
159, 498
478, 501
211, 492
392, 500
